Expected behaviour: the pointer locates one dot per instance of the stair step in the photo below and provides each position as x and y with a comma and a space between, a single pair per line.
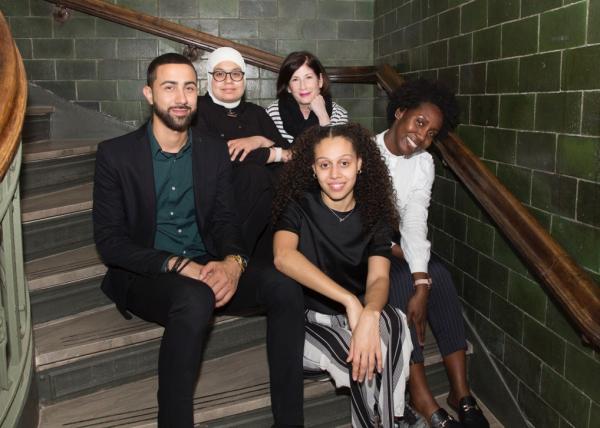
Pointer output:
52, 149
227, 386
100, 348
65, 283
44, 237
37, 123
66, 201
63, 268
325, 411
66, 340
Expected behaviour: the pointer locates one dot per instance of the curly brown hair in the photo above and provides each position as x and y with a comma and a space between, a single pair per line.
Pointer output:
374, 190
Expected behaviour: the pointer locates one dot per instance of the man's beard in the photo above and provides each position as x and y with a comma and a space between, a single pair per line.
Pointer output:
175, 123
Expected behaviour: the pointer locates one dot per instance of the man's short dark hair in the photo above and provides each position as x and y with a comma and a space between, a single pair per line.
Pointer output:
168, 58
415, 92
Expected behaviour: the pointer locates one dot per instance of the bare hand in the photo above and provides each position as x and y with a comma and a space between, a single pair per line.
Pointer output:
317, 105
222, 277
365, 347
242, 146
416, 312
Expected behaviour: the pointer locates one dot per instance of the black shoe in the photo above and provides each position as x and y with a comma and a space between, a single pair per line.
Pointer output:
441, 419
469, 413
411, 419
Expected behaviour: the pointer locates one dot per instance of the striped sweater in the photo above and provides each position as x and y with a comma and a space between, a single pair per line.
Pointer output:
339, 116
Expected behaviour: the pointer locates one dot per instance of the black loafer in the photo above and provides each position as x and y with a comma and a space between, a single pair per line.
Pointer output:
469, 413
441, 419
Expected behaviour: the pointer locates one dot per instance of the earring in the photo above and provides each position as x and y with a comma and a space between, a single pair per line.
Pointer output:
314, 175
359, 171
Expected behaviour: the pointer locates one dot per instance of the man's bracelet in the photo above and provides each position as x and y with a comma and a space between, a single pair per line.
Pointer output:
242, 263
175, 267
423, 281
183, 265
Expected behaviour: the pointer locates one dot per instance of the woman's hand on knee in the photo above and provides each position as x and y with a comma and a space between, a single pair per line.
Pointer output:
365, 347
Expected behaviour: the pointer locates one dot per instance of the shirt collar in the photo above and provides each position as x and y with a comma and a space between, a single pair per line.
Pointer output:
158, 153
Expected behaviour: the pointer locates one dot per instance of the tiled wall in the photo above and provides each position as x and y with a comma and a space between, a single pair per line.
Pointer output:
528, 75
103, 65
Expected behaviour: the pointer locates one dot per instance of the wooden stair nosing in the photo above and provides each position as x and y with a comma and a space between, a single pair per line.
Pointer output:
64, 268
71, 200
57, 149
39, 110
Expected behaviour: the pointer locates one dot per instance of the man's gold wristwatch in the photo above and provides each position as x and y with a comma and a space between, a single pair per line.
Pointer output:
240, 260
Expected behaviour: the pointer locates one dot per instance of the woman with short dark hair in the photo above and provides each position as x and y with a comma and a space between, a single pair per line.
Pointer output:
303, 97
419, 112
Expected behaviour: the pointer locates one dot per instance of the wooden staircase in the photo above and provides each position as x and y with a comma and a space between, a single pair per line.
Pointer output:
93, 367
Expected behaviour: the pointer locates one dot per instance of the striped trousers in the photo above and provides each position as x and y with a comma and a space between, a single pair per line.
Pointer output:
443, 307
375, 402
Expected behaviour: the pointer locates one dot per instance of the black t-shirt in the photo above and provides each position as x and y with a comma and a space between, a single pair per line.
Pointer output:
340, 249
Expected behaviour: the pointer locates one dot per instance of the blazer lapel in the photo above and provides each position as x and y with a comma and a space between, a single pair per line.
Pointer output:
144, 171
200, 168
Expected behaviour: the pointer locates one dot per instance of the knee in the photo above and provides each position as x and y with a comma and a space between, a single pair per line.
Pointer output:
192, 303
281, 293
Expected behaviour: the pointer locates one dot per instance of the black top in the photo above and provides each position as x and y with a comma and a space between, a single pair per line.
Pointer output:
245, 120
340, 249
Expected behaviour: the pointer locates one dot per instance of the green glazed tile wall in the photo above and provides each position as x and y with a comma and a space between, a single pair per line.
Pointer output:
102, 65
526, 72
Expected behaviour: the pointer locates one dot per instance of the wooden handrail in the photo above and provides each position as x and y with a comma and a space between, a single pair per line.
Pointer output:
190, 37
13, 87
566, 281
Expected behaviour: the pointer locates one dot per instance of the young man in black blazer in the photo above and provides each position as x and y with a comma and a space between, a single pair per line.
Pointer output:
165, 226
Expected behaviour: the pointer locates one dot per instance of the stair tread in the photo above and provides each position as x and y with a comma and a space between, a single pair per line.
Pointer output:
39, 110
60, 342
54, 149
65, 201
86, 334
227, 386
64, 268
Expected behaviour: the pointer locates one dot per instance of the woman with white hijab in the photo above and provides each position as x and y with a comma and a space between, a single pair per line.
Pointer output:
250, 133
252, 139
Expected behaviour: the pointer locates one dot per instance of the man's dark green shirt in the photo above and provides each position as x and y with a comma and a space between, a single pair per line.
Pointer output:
176, 227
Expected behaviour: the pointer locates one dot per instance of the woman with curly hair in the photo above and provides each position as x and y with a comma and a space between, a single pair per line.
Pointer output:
332, 216
419, 112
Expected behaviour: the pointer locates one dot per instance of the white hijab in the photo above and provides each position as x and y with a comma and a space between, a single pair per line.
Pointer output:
216, 57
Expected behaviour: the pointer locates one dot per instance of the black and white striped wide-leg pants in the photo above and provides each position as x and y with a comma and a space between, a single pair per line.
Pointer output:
375, 402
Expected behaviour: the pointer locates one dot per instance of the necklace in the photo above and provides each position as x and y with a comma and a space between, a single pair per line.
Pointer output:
341, 219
